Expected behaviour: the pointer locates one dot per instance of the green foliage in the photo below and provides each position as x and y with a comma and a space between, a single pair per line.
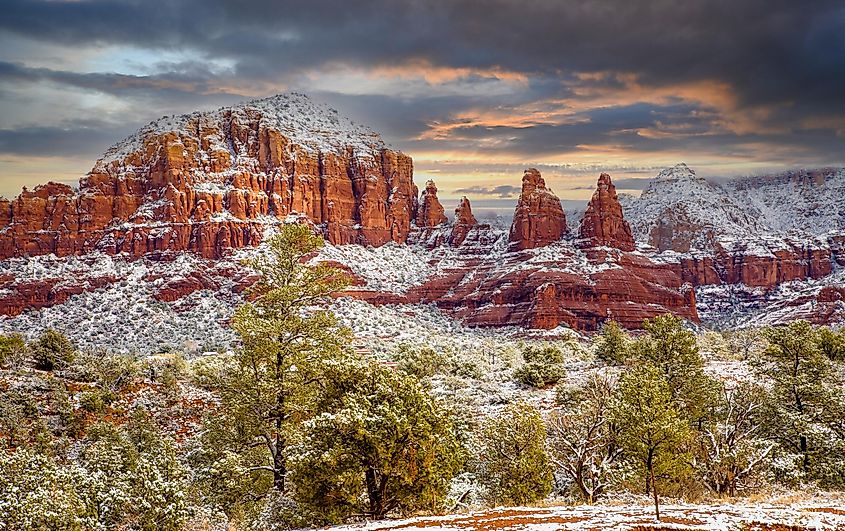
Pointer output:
422, 362
272, 384
132, 478
611, 346
543, 366
96, 400
732, 452
111, 371
512, 459
582, 441
13, 350
36, 494
672, 349
379, 444
17, 412
124, 479
652, 433
805, 406
52, 350
831, 343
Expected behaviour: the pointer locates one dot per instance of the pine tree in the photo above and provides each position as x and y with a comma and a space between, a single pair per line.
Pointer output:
270, 387
513, 463
612, 344
802, 408
379, 444
672, 349
652, 432
831, 343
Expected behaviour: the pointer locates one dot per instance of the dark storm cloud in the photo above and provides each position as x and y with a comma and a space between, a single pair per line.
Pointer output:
780, 61
78, 139
502, 191
173, 85
770, 51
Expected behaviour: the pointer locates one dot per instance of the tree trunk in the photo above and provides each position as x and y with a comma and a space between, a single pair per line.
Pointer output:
649, 464
654, 492
280, 466
806, 462
374, 493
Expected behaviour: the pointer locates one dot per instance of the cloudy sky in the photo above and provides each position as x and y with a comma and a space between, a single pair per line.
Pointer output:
474, 90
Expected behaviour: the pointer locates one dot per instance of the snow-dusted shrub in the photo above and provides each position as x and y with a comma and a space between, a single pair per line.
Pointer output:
512, 460
52, 350
13, 350
422, 362
36, 493
543, 367
109, 370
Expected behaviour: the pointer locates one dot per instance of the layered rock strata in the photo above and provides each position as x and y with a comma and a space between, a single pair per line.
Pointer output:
207, 182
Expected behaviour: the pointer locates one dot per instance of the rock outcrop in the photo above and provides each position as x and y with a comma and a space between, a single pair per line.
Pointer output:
564, 286
603, 224
538, 219
464, 222
207, 182
430, 212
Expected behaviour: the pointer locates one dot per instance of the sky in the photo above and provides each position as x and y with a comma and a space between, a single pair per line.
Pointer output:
475, 91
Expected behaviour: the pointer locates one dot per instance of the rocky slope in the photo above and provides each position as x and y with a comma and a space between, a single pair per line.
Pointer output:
211, 181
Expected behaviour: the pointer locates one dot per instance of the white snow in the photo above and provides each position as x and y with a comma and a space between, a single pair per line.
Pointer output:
312, 125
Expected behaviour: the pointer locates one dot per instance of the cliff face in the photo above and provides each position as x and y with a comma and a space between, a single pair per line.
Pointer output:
538, 219
207, 182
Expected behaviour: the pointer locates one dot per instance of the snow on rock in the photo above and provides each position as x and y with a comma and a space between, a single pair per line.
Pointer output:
681, 211
310, 124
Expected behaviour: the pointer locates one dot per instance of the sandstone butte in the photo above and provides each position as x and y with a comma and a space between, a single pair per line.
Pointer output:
430, 212
464, 222
208, 182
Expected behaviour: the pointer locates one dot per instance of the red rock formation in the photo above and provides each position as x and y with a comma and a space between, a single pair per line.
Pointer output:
603, 223
768, 270
464, 222
430, 212
211, 181
491, 292
538, 219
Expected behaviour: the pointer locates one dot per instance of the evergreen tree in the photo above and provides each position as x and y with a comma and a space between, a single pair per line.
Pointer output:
652, 432
513, 463
831, 343
379, 444
612, 344
53, 350
271, 385
12, 350
802, 409
733, 449
543, 366
672, 349
39, 495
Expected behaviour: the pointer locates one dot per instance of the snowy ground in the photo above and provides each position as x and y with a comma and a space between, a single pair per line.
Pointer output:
825, 515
